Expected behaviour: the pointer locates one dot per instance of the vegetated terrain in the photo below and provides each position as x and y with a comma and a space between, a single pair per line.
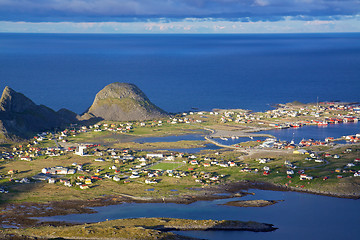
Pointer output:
114, 140
115, 168
338, 177
139, 228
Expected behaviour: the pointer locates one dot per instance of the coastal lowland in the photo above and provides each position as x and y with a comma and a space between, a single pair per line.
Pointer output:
99, 160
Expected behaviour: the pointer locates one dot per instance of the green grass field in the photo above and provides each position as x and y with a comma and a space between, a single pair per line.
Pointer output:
167, 166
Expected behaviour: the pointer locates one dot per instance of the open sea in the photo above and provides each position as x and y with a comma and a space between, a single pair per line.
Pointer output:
180, 72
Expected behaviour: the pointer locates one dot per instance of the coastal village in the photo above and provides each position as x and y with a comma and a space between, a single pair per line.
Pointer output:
109, 157
72, 159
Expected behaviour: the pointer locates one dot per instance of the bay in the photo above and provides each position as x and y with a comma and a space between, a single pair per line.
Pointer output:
299, 216
315, 132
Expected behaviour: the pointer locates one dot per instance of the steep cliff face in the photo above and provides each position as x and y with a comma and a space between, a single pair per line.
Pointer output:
21, 117
12, 101
123, 102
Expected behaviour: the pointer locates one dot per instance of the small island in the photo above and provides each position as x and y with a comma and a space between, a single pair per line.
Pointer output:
251, 203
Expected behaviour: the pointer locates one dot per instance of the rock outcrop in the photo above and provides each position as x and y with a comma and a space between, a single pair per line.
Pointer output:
21, 117
122, 102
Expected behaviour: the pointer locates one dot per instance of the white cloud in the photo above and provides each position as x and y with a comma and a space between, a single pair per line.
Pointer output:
261, 3
115, 10
193, 25
319, 22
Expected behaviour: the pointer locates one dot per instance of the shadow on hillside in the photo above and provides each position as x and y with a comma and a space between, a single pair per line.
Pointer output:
25, 171
227, 225
14, 189
5, 145
90, 121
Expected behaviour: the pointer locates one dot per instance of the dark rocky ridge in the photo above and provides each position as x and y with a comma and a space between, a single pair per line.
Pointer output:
20, 117
123, 102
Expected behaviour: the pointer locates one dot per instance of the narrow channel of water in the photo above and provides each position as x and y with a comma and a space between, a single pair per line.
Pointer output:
299, 216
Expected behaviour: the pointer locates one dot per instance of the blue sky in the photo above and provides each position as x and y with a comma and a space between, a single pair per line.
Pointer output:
179, 16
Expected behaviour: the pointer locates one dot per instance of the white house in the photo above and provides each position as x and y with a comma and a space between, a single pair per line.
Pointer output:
80, 150
116, 178
52, 180
305, 177
147, 181
263, 160
170, 158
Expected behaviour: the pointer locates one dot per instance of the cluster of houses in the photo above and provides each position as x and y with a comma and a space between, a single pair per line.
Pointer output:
240, 116
112, 127
213, 162
331, 113
350, 168
59, 170
29, 152
314, 110
311, 142
7, 155
138, 170
352, 138
277, 144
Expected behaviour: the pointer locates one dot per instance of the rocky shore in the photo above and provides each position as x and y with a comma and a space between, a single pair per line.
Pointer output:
135, 228
23, 214
251, 203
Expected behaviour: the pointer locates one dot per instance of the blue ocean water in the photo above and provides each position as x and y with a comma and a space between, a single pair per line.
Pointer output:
315, 132
300, 216
178, 72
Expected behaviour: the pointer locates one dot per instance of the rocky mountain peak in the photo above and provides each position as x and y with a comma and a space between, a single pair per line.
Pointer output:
21, 117
12, 101
121, 90
123, 102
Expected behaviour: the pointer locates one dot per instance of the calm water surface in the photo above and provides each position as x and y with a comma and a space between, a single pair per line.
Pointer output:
174, 138
289, 134
178, 72
299, 216
315, 132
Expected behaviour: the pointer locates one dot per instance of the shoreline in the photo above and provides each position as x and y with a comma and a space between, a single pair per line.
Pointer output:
14, 216
135, 228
